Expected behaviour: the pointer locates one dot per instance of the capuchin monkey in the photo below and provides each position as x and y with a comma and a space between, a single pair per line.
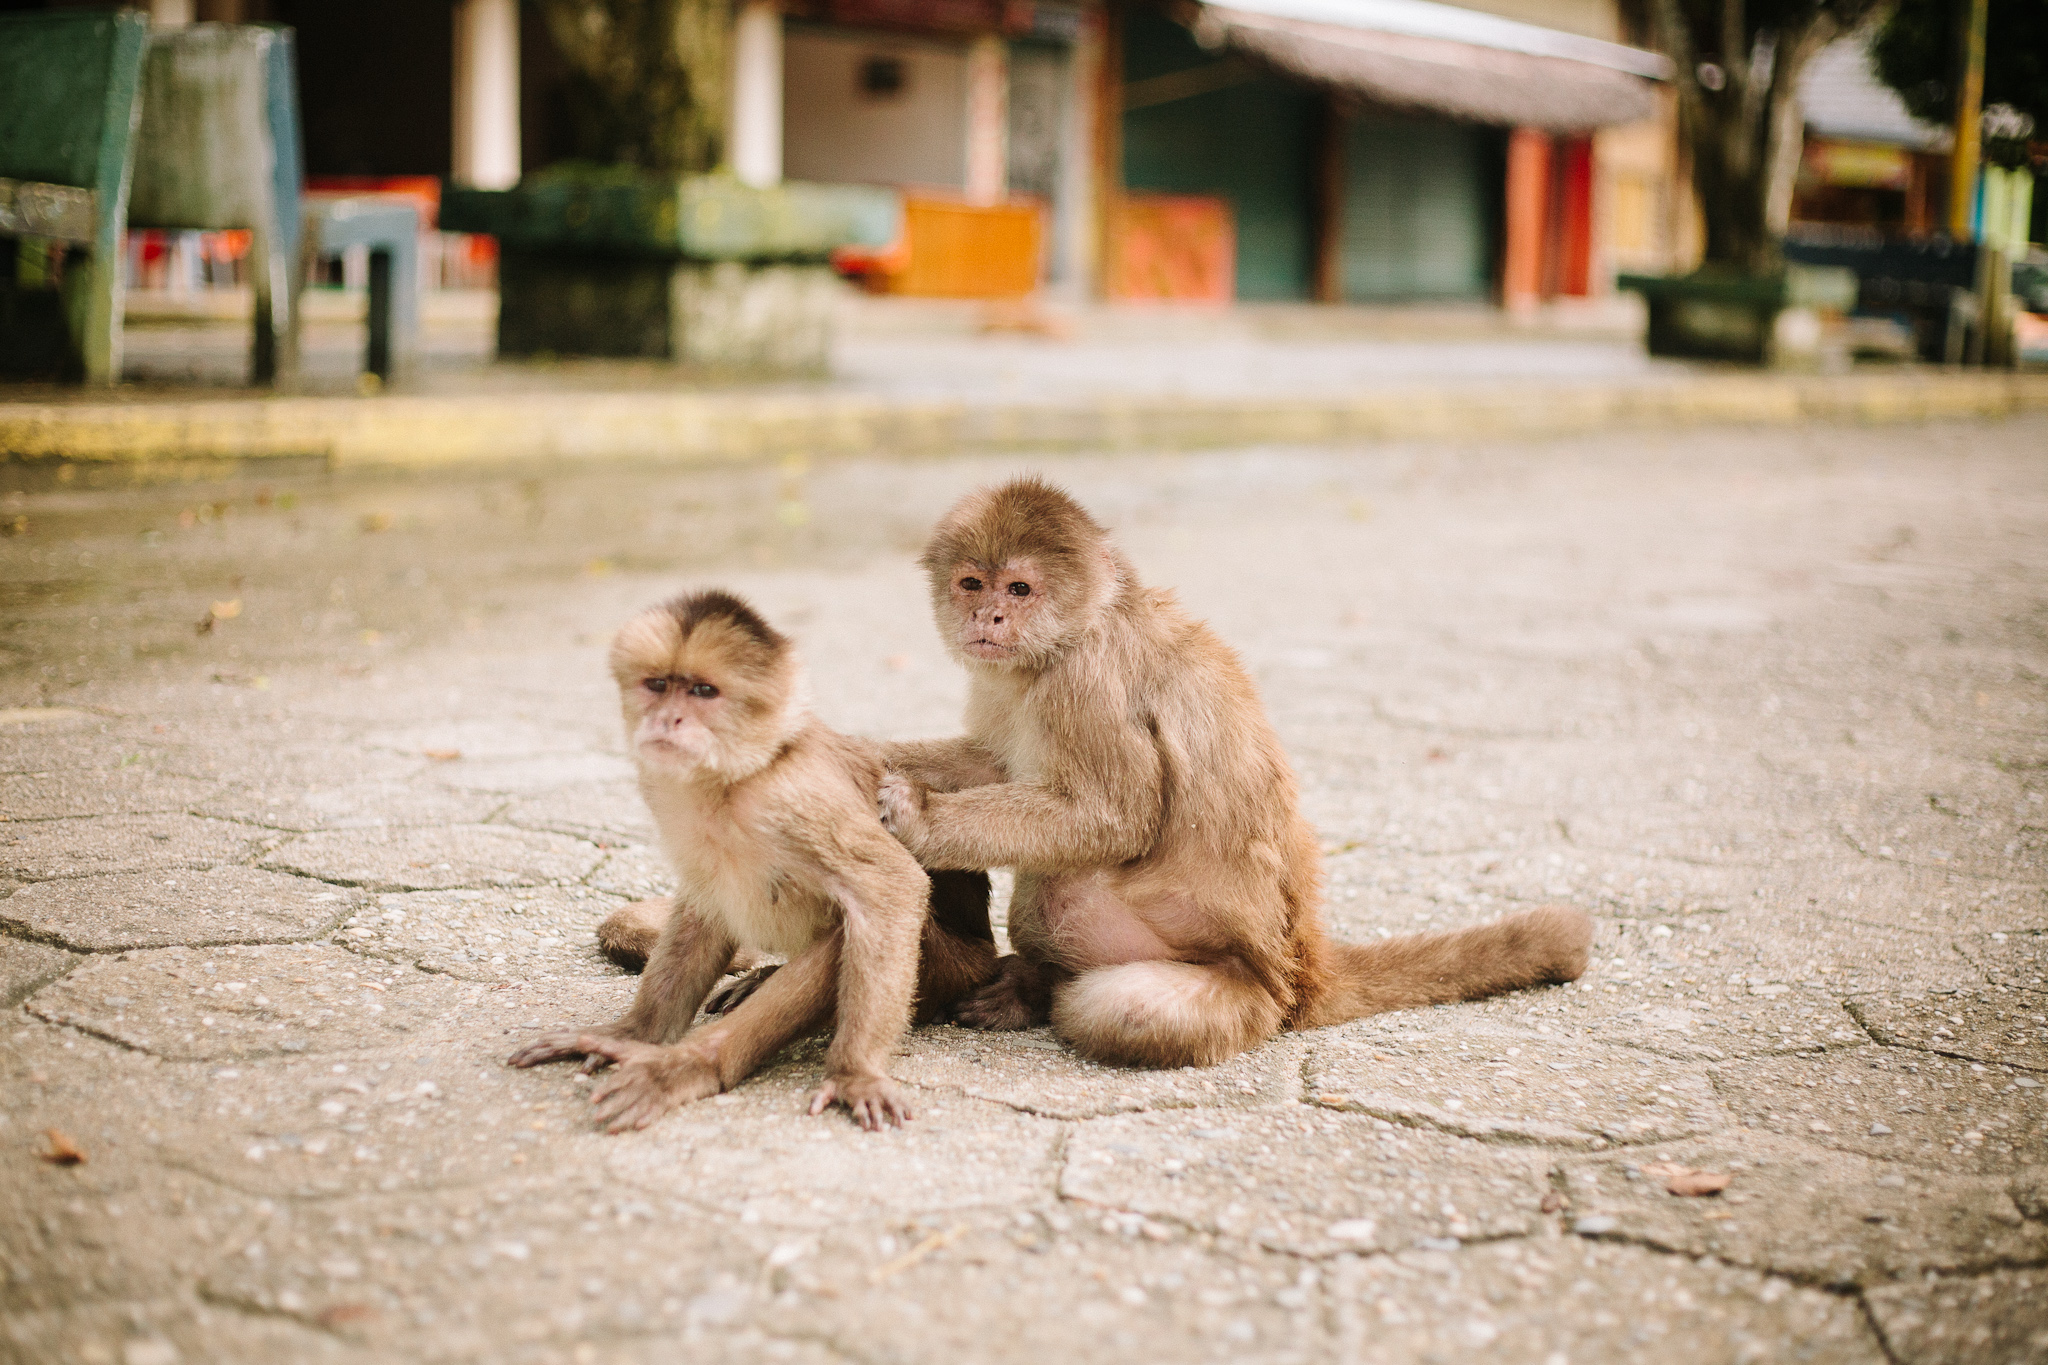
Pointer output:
1168, 902
768, 817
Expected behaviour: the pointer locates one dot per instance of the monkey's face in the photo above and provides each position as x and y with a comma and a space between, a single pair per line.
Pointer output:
702, 696
679, 717
1002, 614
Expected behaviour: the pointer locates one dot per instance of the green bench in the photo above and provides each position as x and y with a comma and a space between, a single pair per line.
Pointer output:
105, 125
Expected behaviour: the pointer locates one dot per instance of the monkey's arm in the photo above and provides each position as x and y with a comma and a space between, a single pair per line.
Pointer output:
1098, 803
944, 765
686, 963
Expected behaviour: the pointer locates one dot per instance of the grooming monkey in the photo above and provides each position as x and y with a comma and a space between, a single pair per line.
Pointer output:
768, 817
1168, 901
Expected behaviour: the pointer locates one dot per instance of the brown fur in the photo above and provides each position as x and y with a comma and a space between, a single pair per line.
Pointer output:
1168, 908
767, 816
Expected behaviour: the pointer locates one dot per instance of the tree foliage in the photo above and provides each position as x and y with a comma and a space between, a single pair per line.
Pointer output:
1738, 64
649, 87
1916, 56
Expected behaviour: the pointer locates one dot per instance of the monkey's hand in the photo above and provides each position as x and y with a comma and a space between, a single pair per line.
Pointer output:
873, 1100
647, 1081
901, 802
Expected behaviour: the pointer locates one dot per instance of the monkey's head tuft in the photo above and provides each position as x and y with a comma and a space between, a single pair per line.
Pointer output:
706, 686
1017, 570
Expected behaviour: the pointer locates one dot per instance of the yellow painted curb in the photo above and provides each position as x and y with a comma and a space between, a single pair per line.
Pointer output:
701, 427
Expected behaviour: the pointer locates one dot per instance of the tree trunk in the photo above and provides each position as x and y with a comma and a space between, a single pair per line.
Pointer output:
1739, 116
652, 77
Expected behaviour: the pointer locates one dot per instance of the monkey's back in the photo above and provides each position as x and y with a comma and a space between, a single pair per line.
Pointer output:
1231, 838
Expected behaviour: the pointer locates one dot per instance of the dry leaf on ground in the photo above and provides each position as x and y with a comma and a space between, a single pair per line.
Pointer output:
62, 1151
1684, 1180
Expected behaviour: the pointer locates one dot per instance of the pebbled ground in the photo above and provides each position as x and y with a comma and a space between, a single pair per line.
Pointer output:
311, 794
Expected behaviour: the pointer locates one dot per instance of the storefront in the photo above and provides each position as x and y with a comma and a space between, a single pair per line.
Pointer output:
1367, 151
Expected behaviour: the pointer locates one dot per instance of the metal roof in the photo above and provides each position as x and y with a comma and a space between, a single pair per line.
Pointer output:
1505, 82
1424, 19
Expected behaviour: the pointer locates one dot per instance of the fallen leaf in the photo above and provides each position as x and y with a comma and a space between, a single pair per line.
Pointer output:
227, 611
344, 1314
442, 755
62, 1150
1684, 1180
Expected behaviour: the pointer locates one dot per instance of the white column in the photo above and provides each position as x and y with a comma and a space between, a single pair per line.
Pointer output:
756, 140
170, 13
487, 93
988, 119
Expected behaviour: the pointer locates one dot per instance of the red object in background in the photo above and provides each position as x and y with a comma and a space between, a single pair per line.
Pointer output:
1549, 249
1574, 242
422, 190
1180, 247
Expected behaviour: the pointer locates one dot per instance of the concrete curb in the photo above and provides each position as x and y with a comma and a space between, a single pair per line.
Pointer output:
706, 427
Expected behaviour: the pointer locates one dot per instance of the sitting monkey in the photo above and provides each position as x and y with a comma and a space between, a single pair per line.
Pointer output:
768, 818
1168, 908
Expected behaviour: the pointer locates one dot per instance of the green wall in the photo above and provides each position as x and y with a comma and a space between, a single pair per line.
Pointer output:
1421, 209
1252, 143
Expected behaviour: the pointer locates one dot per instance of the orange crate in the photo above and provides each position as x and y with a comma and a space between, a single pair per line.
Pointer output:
952, 250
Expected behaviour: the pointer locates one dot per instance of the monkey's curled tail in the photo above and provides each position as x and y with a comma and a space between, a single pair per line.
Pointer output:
1533, 948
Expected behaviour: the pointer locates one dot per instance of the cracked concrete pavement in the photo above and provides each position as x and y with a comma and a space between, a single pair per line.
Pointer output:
311, 793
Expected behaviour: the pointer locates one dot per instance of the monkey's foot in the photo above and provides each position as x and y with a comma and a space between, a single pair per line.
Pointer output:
729, 995
558, 1046
566, 1044
1016, 999
873, 1100
628, 934
647, 1081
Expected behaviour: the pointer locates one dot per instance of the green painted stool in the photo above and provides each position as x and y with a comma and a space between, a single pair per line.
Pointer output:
69, 98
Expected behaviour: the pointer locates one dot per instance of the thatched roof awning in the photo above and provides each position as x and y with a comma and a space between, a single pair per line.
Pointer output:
1479, 82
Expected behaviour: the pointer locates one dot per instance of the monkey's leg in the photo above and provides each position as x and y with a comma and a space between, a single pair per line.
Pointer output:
628, 934
687, 960
1163, 1013
649, 1080
956, 955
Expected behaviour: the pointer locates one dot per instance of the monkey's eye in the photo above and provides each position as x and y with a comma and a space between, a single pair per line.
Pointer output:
1020, 590
703, 689
656, 684
970, 584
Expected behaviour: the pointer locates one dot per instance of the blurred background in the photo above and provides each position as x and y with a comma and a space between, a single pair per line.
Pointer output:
740, 188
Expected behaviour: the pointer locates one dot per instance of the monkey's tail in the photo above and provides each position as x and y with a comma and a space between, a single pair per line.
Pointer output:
1532, 948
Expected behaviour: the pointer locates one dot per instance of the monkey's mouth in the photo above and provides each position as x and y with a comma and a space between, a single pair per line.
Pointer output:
662, 749
989, 649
